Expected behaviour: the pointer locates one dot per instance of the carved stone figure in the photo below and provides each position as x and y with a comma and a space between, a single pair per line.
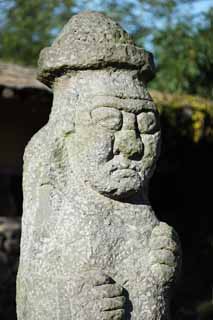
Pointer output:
92, 247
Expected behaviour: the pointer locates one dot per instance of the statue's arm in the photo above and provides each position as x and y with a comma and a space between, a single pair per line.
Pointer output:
165, 254
164, 267
34, 161
162, 270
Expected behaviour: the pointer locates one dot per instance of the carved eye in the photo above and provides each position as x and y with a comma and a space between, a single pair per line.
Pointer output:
107, 117
147, 122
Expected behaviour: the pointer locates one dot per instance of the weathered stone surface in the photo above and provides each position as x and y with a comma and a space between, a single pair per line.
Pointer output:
92, 247
92, 40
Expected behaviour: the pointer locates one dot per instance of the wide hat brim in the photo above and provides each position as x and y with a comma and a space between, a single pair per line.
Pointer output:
91, 40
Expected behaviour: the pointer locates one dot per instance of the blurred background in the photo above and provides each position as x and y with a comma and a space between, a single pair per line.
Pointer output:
180, 35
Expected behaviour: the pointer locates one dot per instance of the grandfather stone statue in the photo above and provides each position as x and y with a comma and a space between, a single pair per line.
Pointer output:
92, 247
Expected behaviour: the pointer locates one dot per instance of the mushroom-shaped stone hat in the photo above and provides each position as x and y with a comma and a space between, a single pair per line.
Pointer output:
91, 40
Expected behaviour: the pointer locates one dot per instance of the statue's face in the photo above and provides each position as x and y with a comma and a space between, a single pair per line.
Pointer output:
116, 141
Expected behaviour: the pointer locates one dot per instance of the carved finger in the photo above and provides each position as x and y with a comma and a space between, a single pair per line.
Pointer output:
113, 315
163, 256
108, 304
96, 278
163, 273
108, 291
163, 242
163, 229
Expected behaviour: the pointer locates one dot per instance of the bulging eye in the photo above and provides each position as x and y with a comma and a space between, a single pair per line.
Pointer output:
147, 122
107, 117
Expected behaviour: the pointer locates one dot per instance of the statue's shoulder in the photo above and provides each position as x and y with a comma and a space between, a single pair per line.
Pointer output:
36, 144
35, 156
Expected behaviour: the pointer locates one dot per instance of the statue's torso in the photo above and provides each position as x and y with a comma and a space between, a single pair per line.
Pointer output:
78, 239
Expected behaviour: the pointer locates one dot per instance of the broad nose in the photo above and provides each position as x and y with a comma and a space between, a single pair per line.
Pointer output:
128, 143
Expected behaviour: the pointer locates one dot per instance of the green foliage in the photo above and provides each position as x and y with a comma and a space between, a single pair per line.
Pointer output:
184, 56
29, 26
182, 46
190, 116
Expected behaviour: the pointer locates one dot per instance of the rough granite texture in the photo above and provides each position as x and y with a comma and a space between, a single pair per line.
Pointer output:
92, 247
92, 40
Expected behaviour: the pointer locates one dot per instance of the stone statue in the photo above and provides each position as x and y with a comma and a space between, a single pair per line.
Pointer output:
92, 247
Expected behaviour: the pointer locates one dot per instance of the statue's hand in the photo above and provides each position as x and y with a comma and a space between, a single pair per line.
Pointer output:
105, 298
109, 298
165, 254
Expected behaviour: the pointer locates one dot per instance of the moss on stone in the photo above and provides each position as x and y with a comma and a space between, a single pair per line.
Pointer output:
190, 116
